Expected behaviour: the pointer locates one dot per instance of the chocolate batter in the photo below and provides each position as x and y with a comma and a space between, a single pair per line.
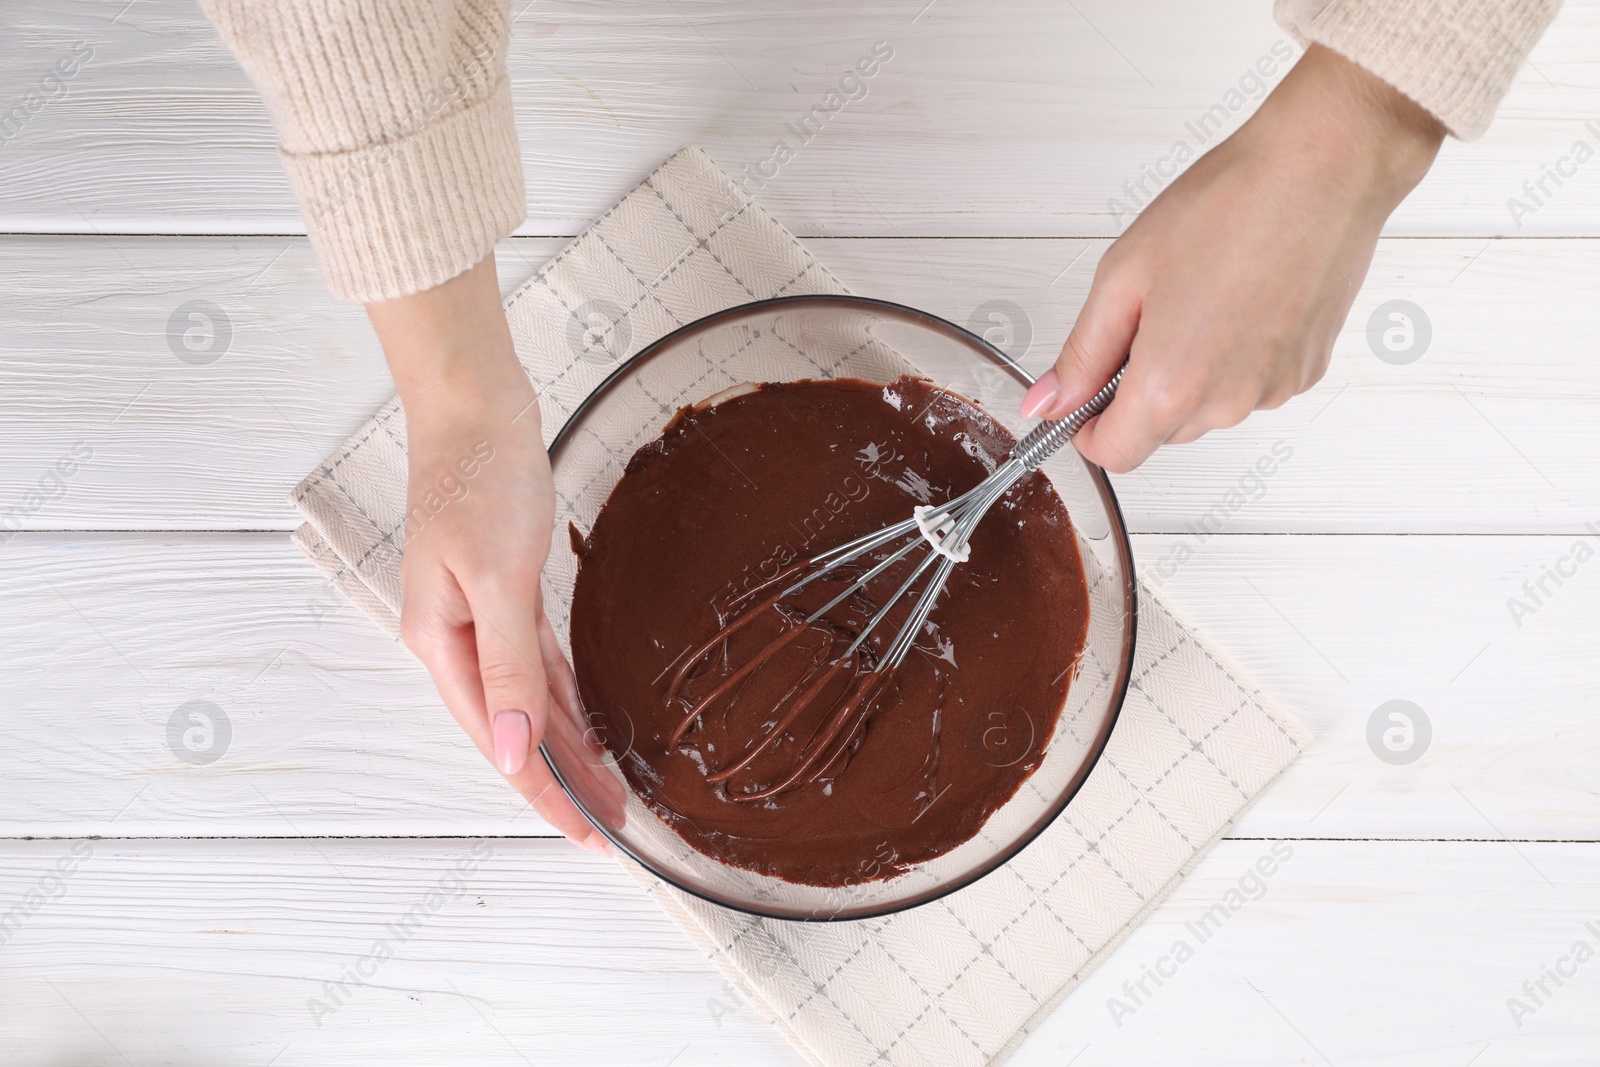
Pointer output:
744, 729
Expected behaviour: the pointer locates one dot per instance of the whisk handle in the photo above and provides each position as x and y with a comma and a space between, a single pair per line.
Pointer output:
1046, 438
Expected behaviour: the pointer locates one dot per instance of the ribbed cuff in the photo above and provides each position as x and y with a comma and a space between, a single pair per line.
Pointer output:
1456, 58
401, 217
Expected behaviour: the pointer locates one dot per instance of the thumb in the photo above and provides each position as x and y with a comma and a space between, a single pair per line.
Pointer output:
516, 695
517, 699
1095, 348
515, 689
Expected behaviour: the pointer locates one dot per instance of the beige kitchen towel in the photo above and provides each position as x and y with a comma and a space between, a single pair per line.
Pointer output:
957, 982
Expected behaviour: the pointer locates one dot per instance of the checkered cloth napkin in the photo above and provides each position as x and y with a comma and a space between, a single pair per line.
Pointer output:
957, 982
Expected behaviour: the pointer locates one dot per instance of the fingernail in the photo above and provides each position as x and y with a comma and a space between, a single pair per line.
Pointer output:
1042, 395
513, 734
596, 842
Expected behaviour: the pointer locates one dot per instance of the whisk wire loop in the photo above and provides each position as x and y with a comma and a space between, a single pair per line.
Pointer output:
944, 529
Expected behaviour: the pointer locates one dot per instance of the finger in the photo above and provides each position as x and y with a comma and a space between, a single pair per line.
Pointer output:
1099, 342
516, 692
447, 646
1189, 433
515, 688
1140, 419
461, 684
563, 685
1228, 408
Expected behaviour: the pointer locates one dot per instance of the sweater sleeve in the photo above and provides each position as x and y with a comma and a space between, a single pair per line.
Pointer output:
1454, 57
394, 124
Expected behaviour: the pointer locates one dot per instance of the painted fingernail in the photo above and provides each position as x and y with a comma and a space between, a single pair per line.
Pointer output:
513, 735
1042, 395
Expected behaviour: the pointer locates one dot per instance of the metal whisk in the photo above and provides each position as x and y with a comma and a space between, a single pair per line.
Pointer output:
944, 529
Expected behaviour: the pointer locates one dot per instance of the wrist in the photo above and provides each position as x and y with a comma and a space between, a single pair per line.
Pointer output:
1353, 127
450, 353
472, 390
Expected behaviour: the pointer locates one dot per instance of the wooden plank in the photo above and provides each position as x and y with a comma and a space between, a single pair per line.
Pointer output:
335, 730
1336, 628
1024, 118
537, 956
1489, 431
328, 722
219, 951
1350, 953
204, 432
1481, 433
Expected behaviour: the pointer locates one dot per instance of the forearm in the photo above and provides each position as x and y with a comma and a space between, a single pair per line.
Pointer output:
395, 129
1226, 293
450, 352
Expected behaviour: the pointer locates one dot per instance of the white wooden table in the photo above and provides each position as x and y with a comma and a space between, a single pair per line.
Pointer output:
180, 913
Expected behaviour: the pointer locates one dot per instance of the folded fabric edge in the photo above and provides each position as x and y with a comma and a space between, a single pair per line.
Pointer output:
347, 581
322, 556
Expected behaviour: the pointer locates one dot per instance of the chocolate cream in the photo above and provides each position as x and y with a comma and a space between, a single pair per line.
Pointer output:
742, 727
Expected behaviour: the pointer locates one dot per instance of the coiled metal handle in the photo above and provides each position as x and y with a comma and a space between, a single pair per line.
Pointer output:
1046, 438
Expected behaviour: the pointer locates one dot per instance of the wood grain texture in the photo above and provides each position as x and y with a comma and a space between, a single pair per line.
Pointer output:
1488, 432
335, 730
223, 953
1419, 897
1021, 118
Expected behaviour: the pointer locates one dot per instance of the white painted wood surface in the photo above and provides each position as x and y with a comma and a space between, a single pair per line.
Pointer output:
1510, 371
335, 729
1376, 564
1018, 117
216, 953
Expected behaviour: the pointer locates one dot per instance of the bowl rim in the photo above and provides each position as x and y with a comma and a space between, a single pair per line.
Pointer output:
1121, 543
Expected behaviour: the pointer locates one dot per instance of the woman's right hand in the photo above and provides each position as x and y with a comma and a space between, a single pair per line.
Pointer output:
1226, 294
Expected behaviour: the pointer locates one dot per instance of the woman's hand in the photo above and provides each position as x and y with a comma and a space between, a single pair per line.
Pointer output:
1225, 295
480, 506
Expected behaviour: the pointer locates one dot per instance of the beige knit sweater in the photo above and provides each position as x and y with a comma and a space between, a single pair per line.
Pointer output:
395, 125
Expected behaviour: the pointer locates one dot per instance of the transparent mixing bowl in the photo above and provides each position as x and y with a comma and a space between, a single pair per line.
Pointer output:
802, 337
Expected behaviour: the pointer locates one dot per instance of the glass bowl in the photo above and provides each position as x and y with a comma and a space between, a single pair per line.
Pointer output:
787, 339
